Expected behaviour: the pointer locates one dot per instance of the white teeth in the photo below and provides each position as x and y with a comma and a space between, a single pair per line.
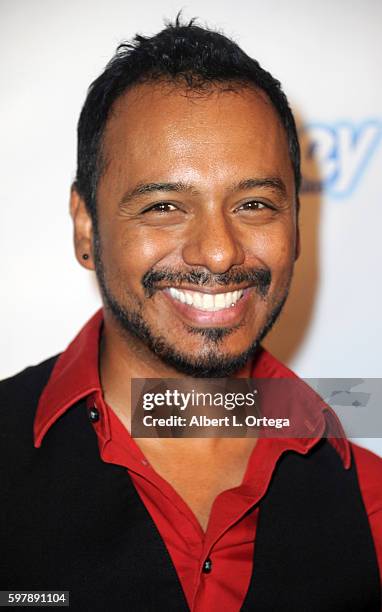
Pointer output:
207, 301
228, 299
219, 301
197, 299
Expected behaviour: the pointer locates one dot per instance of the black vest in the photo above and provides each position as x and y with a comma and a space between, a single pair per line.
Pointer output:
69, 521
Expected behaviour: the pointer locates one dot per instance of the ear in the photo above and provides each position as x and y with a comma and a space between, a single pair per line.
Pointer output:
83, 229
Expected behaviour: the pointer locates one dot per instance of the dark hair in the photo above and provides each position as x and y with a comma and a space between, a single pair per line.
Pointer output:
197, 56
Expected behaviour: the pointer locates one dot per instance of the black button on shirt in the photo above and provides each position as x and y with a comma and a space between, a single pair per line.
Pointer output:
207, 566
93, 414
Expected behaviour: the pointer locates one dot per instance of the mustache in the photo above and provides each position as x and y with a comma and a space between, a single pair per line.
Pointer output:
259, 277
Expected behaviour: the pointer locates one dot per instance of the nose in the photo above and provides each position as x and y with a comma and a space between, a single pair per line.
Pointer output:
213, 243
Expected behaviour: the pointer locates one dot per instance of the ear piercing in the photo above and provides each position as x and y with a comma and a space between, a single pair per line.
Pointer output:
85, 256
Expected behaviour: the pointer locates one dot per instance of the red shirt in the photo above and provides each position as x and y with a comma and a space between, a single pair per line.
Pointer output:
229, 540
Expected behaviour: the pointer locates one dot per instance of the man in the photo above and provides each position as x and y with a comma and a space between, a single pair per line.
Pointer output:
186, 206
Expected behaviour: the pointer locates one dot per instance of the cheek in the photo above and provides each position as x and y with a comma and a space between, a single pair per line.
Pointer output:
145, 247
130, 252
273, 246
281, 255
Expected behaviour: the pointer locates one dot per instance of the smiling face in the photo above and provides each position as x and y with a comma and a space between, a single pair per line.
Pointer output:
196, 236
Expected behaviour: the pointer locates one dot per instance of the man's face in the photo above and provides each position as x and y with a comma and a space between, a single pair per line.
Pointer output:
196, 233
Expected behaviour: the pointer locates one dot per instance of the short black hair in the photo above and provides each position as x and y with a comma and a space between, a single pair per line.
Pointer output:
199, 57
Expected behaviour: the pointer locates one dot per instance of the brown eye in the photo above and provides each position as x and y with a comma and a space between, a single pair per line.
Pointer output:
161, 207
253, 205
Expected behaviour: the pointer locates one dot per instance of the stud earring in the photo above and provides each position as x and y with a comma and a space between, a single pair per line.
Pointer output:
85, 256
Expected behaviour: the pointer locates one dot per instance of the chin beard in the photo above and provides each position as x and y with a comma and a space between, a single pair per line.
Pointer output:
210, 365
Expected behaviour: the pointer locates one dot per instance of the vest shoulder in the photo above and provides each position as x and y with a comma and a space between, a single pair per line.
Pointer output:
369, 469
27, 385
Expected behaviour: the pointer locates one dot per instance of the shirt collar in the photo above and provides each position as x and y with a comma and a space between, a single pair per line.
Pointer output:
75, 376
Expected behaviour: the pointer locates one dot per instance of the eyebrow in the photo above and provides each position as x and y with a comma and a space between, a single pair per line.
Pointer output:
270, 182
144, 188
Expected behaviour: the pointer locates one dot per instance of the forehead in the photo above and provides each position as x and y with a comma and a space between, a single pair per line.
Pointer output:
160, 131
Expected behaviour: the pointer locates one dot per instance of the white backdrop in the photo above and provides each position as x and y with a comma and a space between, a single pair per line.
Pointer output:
327, 55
